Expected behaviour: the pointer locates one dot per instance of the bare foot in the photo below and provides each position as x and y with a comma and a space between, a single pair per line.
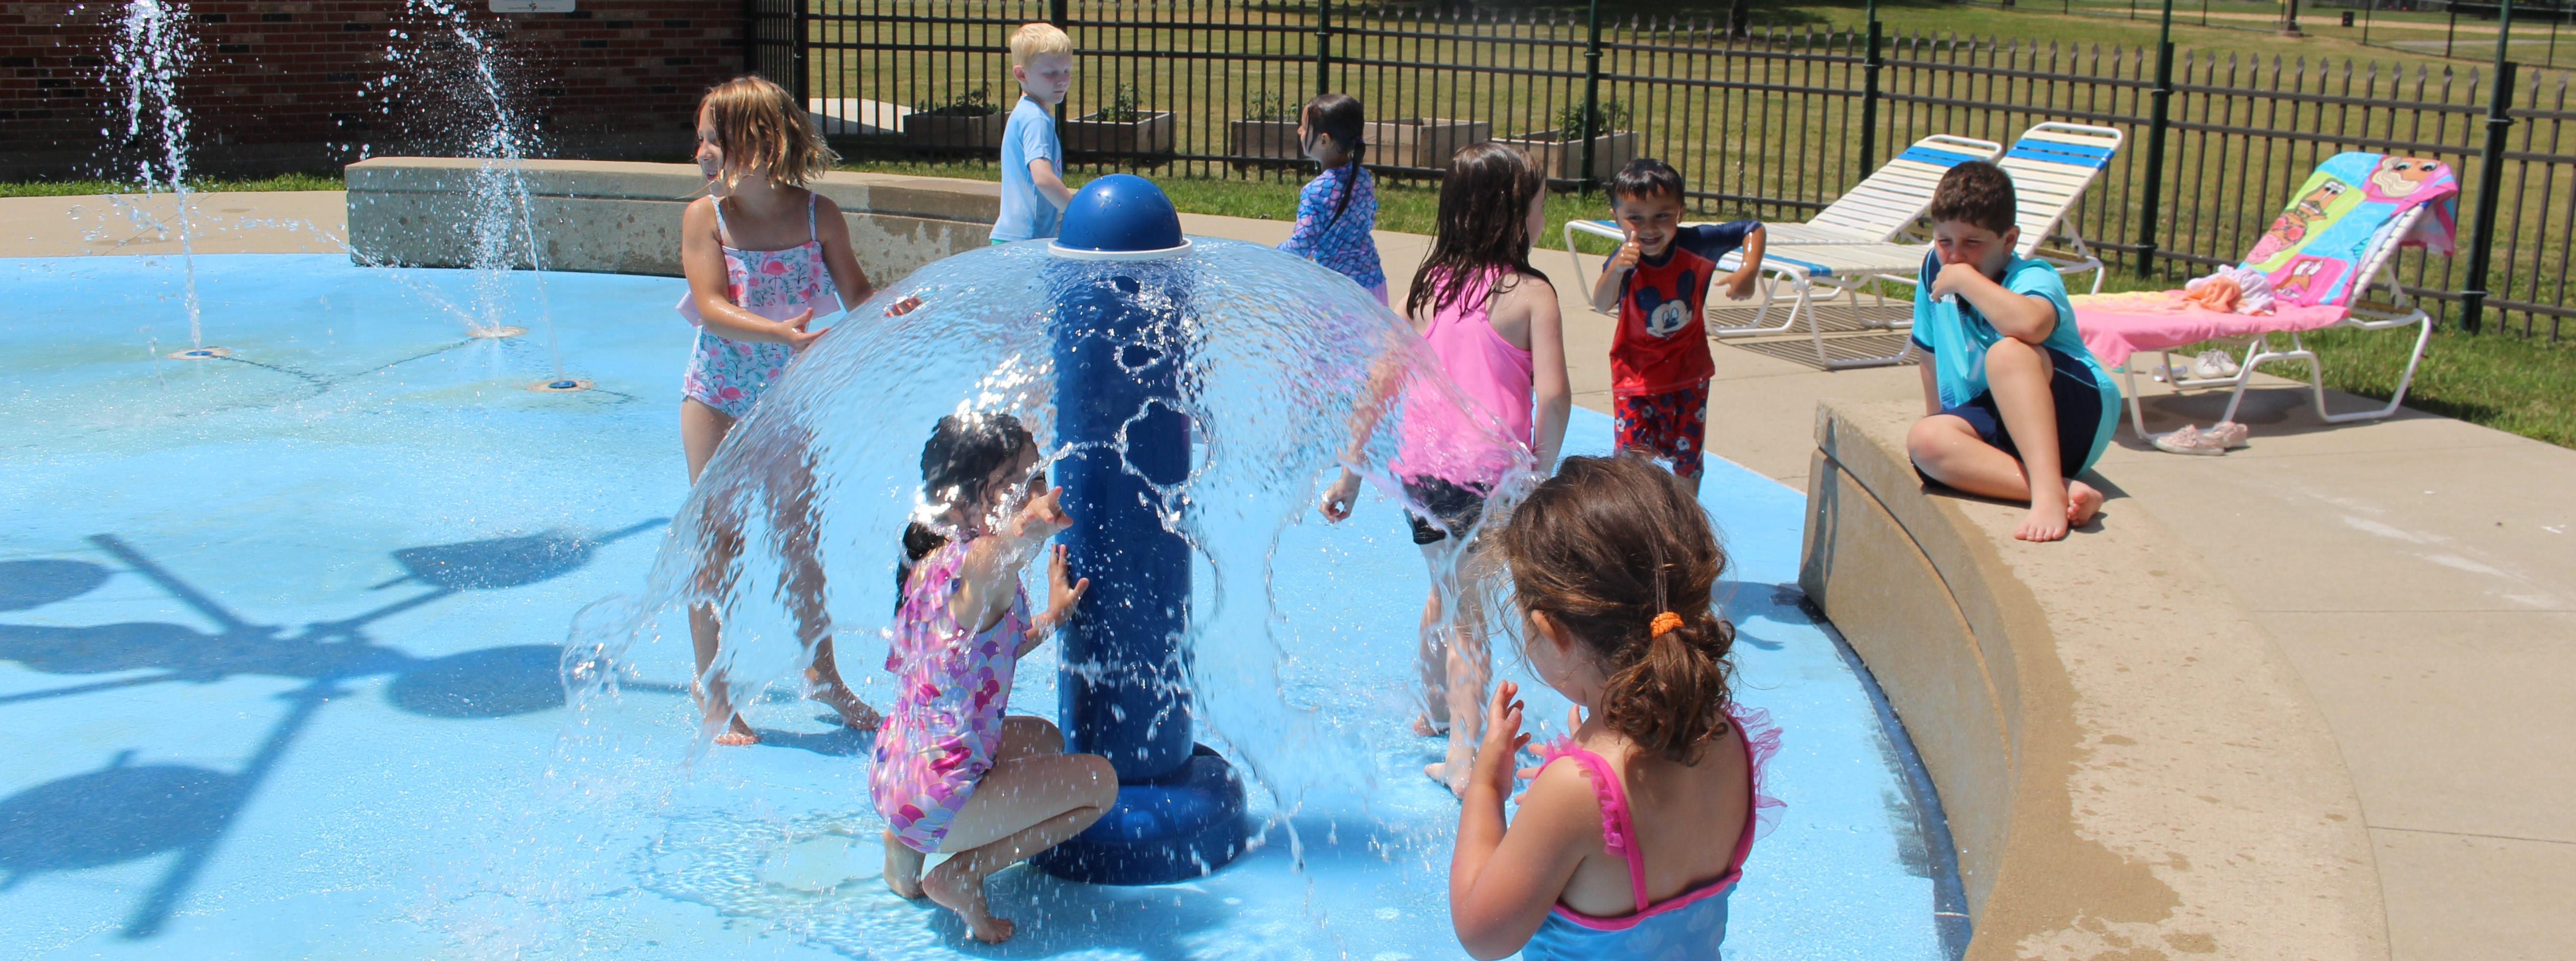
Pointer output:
902, 869
2082, 502
1439, 771
1424, 726
2047, 518
739, 735
953, 890
855, 713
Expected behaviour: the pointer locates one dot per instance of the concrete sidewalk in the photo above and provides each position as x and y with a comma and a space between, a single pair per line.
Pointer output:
2419, 572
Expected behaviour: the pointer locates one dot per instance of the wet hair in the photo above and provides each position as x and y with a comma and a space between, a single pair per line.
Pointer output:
762, 129
1604, 549
1038, 39
1976, 192
1340, 117
1483, 224
1646, 178
963, 452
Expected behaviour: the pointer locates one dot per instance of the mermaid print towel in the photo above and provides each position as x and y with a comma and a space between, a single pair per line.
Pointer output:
2312, 251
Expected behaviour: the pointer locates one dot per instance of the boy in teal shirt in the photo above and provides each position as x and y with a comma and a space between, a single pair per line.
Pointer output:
2017, 406
1033, 190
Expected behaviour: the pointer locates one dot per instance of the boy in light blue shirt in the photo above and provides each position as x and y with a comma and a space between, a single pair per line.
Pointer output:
2017, 406
1033, 190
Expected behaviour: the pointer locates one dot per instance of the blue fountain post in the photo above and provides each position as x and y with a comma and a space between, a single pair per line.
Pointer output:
1121, 290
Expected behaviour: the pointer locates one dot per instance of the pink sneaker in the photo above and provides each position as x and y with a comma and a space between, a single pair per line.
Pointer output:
2191, 440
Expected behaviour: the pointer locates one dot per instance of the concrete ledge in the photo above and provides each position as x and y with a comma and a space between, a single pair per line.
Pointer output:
2130, 767
614, 217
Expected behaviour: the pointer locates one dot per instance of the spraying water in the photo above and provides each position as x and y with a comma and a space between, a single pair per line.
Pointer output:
469, 66
152, 50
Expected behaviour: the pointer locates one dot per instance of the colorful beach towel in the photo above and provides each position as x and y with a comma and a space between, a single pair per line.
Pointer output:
2312, 255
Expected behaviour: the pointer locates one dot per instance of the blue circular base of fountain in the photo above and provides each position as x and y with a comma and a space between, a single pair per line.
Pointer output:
201, 353
1181, 825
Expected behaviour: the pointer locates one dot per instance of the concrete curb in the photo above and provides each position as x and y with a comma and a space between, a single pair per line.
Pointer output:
2130, 767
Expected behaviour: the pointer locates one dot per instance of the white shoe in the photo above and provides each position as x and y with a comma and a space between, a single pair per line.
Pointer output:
2213, 365
2191, 440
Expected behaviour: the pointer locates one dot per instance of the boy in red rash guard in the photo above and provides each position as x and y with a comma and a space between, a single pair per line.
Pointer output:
1659, 360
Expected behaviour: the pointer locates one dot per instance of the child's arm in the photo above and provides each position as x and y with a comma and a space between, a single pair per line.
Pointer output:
1555, 396
1614, 276
1042, 173
1060, 600
702, 262
1308, 232
992, 565
1931, 385
847, 276
1384, 376
1739, 285
2019, 316
1503, 881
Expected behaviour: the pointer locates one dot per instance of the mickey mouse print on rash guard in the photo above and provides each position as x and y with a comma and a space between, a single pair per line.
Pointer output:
1662, 345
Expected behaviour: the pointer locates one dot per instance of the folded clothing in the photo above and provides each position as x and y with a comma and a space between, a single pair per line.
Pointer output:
2241, 290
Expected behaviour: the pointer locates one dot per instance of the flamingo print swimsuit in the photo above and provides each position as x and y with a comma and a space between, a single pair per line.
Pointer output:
951, 687
730, 375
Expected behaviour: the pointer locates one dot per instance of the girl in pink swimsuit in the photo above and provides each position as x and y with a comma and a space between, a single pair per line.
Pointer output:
1632, 850
757, 274
952, 774
1489, 321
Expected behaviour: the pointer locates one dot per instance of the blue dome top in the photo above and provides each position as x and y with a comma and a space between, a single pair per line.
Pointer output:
1120, 212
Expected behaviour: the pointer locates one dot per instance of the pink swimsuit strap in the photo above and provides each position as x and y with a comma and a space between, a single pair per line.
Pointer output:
1619, 830
724, 236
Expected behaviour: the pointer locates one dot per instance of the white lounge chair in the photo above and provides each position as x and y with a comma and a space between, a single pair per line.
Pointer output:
1878, 210
2051, 166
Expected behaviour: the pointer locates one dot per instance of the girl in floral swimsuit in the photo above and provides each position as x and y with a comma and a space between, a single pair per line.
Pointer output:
757, 274
952, 774
1632, 850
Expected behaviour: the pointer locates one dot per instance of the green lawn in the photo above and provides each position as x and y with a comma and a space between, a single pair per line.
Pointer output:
76, 188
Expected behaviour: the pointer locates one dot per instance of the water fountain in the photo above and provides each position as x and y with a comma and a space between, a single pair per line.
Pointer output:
152, 49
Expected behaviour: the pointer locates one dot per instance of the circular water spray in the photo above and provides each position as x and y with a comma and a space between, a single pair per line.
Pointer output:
200, 353
563, 386
495, 332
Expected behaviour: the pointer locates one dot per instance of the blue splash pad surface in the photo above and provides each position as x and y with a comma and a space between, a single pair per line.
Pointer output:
278, 639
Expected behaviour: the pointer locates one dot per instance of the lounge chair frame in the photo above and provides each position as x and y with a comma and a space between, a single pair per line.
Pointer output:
2380, 265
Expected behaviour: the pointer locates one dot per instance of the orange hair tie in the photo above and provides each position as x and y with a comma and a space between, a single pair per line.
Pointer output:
1665, 621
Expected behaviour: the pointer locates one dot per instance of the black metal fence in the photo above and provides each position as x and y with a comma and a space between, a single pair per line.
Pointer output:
1773, 124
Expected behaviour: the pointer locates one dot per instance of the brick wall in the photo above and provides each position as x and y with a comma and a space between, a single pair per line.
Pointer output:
309, 84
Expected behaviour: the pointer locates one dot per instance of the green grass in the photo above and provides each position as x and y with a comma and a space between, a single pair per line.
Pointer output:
2516, 384
75, 188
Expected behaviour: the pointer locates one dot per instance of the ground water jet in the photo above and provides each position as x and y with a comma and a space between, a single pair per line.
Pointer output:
150, 52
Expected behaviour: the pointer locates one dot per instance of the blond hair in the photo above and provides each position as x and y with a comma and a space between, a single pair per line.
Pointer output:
1036, 39
761, 129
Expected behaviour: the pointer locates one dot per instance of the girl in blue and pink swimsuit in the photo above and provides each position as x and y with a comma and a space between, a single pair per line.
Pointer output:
1633, 848
953, 774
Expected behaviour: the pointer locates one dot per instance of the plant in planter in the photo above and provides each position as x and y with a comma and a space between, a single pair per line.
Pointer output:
1559, 152
1267, 131
1120, 126
970, 120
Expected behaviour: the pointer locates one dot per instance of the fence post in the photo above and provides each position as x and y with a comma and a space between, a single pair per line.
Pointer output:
1323, 47
2473, 298
2160, 98
1869, 67
804, 81
1591, 94
750, 36
1060, 16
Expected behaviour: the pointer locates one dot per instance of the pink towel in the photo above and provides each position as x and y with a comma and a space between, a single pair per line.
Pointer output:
2117, 325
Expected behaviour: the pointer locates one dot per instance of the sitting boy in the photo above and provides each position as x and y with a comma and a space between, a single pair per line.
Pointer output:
2017, 405
1657, 285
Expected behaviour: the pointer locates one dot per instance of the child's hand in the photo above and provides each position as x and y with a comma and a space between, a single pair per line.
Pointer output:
1955, 278
1337, 498
1626, 259
1042, 518
904, 306
1061, 596
1739, 285
1503, 741
797, 336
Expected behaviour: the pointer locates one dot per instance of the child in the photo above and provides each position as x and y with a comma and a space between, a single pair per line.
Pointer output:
1658, 286
952, 774
1338, 208
1033, 191
1632, 850
2017, 406
755, 276
1491, 321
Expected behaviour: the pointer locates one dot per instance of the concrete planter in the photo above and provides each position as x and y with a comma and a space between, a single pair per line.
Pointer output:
1152, 135
1423, 141
946, 132
1610, 152
1263, 140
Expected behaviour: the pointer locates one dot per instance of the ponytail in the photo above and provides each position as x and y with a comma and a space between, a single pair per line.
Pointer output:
1671, 697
